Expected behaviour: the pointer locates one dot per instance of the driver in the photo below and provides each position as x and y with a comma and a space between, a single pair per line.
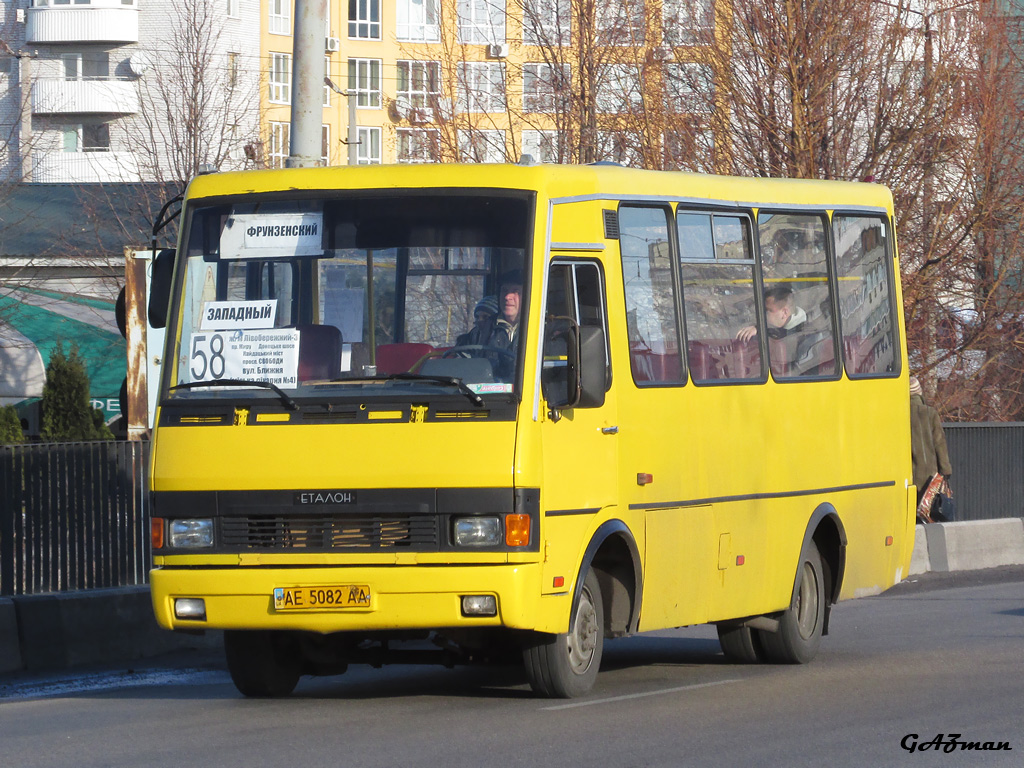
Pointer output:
499, 338
510, 301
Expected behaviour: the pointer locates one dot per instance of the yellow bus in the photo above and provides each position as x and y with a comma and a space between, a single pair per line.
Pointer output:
465, 413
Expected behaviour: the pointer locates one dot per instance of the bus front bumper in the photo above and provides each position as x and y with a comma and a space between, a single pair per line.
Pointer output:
399, 597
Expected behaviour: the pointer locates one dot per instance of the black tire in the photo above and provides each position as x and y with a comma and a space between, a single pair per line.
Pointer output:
800, 626
741, 644
262, 664
565, 666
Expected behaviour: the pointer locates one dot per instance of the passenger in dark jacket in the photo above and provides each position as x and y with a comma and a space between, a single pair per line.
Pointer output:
928, 441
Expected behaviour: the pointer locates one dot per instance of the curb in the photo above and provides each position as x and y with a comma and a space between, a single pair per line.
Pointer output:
967, 546
61, 630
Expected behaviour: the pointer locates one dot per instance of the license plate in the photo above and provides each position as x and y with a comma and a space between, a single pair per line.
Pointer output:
321, 598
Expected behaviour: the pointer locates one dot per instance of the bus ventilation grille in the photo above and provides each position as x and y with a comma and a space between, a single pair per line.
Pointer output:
611, 225
329, 533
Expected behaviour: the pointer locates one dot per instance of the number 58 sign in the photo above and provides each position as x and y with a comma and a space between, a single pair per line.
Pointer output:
270, 355
207, 361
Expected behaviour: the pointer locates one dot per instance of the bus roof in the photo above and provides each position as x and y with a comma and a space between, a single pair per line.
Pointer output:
552, 181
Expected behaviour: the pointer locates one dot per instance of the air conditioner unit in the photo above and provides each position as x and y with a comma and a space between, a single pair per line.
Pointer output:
497, 50
332, 44
421, 116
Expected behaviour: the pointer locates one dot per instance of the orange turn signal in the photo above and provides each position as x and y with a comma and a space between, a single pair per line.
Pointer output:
517, 530
156, 532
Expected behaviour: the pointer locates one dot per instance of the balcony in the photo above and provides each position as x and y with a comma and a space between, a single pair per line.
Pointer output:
84, 167
94, 96
93, 21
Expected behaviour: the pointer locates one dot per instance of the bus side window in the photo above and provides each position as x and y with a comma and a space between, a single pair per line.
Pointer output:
651, 318
576, 294
863, 256
717, 268
798, 295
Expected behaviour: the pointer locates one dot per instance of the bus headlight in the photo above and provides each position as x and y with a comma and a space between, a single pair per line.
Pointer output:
478, 532
190, 534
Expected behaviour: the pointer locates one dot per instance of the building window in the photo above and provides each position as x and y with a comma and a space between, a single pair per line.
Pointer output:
7, 66
417, 20
280, 20
232, 9
87, 137
232, 70
620, 22
687, 22
545, 88
327, 76
418, 83
481, 87
364, 19
280, 78
325, 144
418, 145
368, 150
94, 65
542, 146
364, 79
546, 22
620, 147
482, 146
688, 88
619, 88
481, 21
280, 143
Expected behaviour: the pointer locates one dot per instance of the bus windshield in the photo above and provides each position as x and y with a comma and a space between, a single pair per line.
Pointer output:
371, 294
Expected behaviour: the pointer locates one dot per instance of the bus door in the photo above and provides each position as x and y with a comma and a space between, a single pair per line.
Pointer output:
580, 444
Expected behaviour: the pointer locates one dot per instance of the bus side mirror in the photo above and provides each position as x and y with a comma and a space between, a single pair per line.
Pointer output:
160, 287
590, 367
574, 365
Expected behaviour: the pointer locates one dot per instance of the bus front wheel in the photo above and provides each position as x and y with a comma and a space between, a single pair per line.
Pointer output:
566, 665
262, 664
800, 627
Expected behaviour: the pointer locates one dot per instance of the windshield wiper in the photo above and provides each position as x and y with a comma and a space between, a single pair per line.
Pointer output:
289, 404
451, 381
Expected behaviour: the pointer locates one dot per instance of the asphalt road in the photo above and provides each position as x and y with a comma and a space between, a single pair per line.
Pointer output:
938, 656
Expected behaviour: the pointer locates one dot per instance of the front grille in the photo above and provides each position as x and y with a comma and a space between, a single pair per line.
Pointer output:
333, 533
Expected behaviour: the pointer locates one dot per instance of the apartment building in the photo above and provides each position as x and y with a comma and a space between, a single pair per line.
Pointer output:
489, 80
108, 90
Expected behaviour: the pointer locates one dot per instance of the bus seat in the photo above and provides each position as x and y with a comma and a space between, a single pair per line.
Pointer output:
777, 354
470, 369
319, 352
702, 366
746, 358
399, 358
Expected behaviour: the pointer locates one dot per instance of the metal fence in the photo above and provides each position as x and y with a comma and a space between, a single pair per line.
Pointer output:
988, 469
73, 516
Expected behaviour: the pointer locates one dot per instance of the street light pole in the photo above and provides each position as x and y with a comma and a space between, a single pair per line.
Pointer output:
307, 94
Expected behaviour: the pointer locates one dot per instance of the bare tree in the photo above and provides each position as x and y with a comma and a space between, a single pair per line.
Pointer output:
199, 106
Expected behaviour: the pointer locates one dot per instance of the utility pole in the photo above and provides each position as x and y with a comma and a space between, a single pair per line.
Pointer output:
307, 83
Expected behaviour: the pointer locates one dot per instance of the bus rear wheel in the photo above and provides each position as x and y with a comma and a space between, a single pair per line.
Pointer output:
741, 644
565, 665
800, 627
262, 664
